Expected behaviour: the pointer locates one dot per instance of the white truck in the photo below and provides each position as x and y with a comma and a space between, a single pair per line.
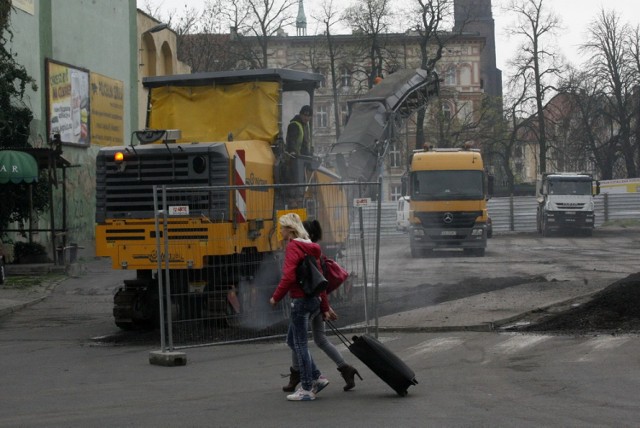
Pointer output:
402, 214
565, 203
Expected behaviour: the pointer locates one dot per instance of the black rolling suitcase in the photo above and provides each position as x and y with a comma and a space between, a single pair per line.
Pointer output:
380, 360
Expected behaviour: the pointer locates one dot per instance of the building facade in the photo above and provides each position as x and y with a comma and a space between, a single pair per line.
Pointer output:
88, 60
461, 91
467, 69
157, 56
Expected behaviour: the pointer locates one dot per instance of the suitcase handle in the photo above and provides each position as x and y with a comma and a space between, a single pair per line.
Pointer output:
345, 341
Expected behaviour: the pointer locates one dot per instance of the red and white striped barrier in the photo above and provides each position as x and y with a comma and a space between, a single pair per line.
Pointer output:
240, 174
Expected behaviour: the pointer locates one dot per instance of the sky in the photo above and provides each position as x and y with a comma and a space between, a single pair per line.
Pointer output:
575, 16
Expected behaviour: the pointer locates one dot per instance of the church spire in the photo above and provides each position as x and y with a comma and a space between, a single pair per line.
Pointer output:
301, 20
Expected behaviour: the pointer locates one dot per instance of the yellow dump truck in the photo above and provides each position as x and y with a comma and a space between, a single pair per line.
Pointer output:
448, 190
200, 127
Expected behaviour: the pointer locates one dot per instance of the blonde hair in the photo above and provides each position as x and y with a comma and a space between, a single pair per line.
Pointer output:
293, 222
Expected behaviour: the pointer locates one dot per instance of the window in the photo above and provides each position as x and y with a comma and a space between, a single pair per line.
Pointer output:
518, 152
345, 77
465, 76
465, 112
446, 111
321, 119
394, 157
450, 75
323, 82
447, 185
344, 113
395, 192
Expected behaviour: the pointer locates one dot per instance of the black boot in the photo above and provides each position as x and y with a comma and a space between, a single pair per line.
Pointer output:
348, 372
294, 380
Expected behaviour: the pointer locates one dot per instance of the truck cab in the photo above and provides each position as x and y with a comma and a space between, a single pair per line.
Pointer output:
449, 189
565, 203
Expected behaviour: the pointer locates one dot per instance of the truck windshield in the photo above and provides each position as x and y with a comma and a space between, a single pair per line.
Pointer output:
564, 187
446, 185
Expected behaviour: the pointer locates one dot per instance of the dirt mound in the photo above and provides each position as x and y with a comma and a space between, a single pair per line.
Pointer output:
616, 309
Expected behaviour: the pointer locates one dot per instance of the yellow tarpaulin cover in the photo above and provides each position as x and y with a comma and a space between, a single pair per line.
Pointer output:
250, 111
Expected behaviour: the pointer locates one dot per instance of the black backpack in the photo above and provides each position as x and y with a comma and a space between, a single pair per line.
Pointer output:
309, 277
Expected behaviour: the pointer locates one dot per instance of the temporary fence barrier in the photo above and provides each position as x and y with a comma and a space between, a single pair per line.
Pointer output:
218, 269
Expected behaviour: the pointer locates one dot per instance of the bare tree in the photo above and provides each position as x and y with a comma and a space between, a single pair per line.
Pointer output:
503, 131
453, 122
205, 42
610, 61
266, 18
430, 14
536, 62
634, 49
329, 17
372, 20
206, 39
591, 125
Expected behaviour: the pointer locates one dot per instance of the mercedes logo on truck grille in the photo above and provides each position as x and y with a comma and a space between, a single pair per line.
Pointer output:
447, 218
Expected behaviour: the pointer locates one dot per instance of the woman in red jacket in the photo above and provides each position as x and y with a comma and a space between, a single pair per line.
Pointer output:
318, 331
302, 307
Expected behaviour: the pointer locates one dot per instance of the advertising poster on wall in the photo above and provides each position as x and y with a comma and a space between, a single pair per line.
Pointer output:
25, 5
107, 111
68, 108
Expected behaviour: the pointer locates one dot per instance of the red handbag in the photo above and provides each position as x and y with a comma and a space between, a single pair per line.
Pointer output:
334, 273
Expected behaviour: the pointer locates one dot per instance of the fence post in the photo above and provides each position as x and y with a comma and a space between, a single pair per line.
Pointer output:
163, 357
512, 221
377, 257
364, 264
606, 207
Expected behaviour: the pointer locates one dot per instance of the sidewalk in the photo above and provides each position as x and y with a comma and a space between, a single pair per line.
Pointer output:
488, 311
481, 312
36, 282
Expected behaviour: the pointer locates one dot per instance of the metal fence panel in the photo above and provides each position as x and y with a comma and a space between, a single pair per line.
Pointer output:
617, 206
608, 207
513, 214
520, 211
221, 271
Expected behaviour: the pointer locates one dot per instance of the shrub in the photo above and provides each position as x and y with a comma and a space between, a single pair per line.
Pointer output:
24, 250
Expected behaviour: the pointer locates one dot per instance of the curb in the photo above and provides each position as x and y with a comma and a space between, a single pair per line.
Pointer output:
489, 326
16, 308
48, 289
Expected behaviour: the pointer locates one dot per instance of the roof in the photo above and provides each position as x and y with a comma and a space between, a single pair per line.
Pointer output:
292, 80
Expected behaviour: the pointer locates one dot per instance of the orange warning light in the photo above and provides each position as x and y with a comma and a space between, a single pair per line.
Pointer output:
118, 157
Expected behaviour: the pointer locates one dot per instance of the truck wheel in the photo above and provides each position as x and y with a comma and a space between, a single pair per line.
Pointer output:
415, 253
545, 229
585, 232
125, 326
539, 218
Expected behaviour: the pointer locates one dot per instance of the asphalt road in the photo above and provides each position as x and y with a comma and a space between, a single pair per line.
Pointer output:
54, 372
608, 254
511, 259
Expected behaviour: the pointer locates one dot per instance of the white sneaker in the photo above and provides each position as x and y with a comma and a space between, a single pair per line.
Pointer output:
319, 384
301, 395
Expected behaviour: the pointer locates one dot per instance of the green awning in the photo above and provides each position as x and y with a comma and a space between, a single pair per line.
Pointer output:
17, 167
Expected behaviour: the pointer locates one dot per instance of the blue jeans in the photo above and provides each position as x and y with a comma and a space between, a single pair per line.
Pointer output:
320, 337
297, 338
